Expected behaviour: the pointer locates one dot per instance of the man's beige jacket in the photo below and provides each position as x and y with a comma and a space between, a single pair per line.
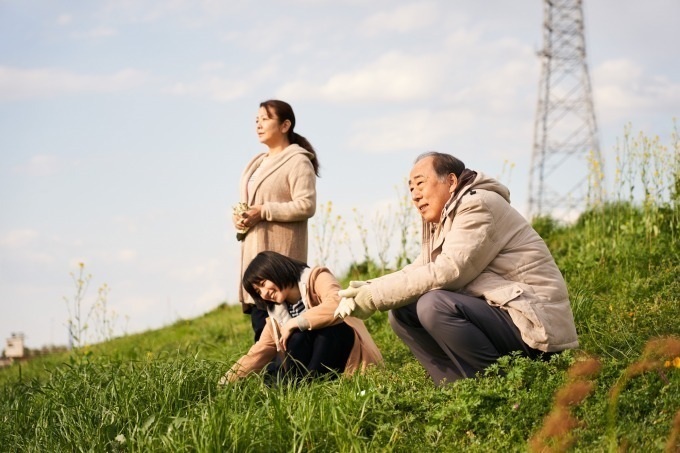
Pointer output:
484, 248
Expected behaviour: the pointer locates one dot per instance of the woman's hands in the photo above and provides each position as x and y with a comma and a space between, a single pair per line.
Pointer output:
249, 218
286, 331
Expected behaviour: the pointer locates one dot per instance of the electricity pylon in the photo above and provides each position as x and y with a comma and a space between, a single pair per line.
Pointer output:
566, 149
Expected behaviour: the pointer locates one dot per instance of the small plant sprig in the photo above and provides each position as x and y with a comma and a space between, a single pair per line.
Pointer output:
363, 234
408, 224
382, 233
325, 229
77, 319
104, 319
81, 314
238, 210
506, 169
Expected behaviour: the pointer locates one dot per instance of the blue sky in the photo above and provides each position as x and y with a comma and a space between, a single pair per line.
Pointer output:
124, 125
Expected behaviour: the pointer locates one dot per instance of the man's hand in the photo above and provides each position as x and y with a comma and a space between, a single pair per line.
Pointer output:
345, 308
357, 301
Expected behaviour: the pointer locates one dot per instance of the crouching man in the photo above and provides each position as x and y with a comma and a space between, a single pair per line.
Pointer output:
484, 285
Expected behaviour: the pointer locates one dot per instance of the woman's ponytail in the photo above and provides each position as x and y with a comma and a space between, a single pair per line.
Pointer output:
298, 139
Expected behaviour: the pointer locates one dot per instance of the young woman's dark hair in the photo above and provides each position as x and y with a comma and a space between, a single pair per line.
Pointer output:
284, 112
284, 272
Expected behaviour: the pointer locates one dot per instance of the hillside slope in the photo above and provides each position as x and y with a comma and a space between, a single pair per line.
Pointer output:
157, 391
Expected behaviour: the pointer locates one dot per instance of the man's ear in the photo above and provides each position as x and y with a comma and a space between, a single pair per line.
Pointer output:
453, 180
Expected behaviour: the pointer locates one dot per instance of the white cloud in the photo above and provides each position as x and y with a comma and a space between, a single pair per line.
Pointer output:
216, 88
393, 77
64, 19
126, 255
463, 40
207, 300
20, 83
465, 70
18, 238
223, 89
97, 32
137, 306
414, 130
129, 224
279, 38
209, 268
26, 247
500, 91
413, 16
39, 165
622, 90
155, 10
210, 66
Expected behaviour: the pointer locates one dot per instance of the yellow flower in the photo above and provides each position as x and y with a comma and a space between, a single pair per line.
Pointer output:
676, 362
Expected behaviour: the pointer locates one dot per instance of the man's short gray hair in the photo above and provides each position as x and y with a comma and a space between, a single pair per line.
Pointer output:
444, 164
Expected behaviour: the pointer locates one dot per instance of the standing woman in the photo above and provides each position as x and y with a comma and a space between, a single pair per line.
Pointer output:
301, 333
279, 188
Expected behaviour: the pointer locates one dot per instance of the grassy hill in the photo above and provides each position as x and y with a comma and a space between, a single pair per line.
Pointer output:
157, 391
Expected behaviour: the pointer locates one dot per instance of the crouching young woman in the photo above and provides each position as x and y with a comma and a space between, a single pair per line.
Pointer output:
301, 337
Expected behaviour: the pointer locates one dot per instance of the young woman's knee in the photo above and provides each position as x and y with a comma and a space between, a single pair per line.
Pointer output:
298, 340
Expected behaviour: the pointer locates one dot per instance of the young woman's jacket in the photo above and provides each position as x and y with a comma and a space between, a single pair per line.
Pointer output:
321, 289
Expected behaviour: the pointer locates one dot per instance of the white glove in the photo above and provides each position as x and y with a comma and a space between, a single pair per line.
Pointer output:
353, 288
358, 301
345, 308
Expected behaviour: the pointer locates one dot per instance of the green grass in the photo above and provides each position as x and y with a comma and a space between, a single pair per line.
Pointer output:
157, 391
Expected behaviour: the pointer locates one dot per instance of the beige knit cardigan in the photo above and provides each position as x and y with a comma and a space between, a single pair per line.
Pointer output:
286, 189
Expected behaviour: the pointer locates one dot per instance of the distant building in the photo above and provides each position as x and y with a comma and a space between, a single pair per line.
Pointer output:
15, 346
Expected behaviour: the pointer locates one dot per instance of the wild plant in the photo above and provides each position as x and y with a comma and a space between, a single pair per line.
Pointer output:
81, 314
104, 319
505, 176
408, 226
382, 232
363, 233
645, 189
385, 224
325, 230
78, 315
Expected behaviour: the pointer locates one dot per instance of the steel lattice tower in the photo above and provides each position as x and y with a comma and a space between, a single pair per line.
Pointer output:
565, 133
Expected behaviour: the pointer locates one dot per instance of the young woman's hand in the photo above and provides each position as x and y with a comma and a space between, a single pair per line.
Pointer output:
286, 331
